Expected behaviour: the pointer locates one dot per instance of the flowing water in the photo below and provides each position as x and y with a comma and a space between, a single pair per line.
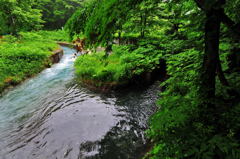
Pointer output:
52, 117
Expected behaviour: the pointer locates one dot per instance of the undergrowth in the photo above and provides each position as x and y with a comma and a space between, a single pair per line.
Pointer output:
180, 128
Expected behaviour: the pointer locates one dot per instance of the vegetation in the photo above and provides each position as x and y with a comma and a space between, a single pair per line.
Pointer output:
24, 49
27, 15
56, 13
26, 55
199, 41
125, 63
197, 116
18, 16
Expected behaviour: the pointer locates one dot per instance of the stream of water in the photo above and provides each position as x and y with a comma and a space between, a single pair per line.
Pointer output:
51, 117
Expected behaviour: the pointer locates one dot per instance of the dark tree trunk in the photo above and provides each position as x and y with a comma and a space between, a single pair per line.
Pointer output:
233, 27
212, 31
119, 37
234, 57
108, 49
143, 24
220, 73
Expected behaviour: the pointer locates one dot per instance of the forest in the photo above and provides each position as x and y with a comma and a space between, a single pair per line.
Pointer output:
190, 47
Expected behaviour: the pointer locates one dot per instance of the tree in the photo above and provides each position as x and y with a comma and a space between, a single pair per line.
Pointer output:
106, 18
215, 15
76, 23
18, 16
57, 12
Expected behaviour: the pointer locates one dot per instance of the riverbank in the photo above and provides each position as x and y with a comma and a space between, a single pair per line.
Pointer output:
28, 54
51, 108
124, 66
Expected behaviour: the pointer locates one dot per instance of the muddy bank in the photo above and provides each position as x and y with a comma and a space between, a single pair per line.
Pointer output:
56, 56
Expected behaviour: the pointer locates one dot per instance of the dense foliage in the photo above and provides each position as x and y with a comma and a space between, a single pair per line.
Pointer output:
27, 15
56, 13
18, 16
181, 129
199, 108
76, 24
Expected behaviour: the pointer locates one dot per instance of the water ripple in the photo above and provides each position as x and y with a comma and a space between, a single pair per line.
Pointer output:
50, 116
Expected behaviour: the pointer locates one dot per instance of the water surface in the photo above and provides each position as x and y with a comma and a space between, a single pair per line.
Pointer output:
52, 117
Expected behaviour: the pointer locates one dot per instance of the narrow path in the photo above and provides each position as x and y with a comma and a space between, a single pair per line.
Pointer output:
50, 116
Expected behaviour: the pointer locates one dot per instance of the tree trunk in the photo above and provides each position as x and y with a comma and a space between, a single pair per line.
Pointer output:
119, 37
220, 73
141, 25
108, 49
233, 58
144, 24
212, 31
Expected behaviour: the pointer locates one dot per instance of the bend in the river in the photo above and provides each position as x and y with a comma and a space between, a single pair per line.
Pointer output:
50, 116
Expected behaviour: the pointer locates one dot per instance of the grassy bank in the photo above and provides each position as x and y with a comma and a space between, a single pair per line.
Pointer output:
24, 56
118, 68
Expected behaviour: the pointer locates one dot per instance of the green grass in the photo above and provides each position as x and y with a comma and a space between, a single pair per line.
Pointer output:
26, 55
119, 67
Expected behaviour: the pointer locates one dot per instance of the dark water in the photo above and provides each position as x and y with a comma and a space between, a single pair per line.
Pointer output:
51, 117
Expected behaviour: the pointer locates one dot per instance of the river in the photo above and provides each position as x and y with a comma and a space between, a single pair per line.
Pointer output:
51, 117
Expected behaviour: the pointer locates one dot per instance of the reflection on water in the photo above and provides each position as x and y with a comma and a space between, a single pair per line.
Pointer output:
51, 117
